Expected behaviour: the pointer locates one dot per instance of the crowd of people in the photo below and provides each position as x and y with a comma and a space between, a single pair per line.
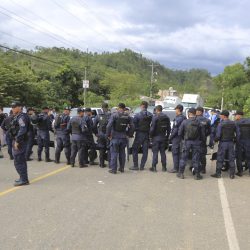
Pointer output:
75, 135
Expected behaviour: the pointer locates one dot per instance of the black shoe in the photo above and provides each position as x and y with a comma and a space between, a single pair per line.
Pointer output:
134, 168
173, 170
231, 176
103, 166
92, 163
39, 159
29, 159
240, 174
68, 163
21, 183
83, 166
121, 170
18, 180
141, 168
153, 169
216, 175
48, 160
111, 171
57, 162
72, 165
198, 177
164, 169
11, 158
180, 175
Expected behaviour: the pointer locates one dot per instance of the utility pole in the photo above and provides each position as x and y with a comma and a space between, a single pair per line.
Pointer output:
222, 98
85, 82
152, 80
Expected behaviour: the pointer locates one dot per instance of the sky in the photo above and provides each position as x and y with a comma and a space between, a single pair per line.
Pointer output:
179, 34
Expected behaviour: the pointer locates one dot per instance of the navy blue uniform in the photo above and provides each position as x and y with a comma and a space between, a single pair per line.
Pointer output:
226, 134
243, 143
62, 137
142, 122
100, 126
30, 142
5, 127
176, 141
120, 126
193, 135
77, 126
159, 132
44, 125
206, 127
18, 131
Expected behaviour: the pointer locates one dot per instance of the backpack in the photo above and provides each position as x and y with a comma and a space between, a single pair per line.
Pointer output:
192, 131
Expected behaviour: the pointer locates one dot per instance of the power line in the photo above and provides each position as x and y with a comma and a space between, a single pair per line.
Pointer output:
30, 55
39, 30
5, 33
56, 26
79, 19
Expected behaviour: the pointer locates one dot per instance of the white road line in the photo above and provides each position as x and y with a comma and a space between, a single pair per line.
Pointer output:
229, 225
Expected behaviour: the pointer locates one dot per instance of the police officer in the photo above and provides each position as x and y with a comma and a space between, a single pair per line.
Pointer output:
214, 123
225, 134
142, 122
2, 117
18, 131
44, 125
5, 127
242, 142
176, 139
100, 126
62, 135
193, 135
120, 126
91, 147
159, 132
31, 135
78, 127
206, 127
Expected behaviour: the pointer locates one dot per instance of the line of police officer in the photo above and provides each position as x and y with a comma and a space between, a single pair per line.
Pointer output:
188, 136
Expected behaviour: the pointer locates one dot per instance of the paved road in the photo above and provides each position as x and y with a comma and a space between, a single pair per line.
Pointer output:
91, 209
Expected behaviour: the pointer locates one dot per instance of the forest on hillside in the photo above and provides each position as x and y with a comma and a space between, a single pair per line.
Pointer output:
53, 77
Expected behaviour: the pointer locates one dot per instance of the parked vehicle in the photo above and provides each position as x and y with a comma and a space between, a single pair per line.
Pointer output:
192, 101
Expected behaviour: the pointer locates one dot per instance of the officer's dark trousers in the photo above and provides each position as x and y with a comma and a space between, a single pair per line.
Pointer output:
77, 147
176, 152
194, 147
102, 144
141, 140
225, 148
20, 161
212, 136
117, 150
243, 149
62, 142
43, 140
91, 147
203, 156
30, 144
159, 146
9, 142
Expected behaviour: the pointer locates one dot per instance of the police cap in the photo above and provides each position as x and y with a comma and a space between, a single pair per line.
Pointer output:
88, 110
79, 110
225, 113
192, 111
15, 104
121, 106
180, 107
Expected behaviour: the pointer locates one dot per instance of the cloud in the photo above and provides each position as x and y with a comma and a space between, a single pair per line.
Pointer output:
180, 34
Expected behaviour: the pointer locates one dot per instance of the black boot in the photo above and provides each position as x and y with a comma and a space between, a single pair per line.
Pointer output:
153, 169
164, 169
198, 176
134, 168
180, 175
216, 175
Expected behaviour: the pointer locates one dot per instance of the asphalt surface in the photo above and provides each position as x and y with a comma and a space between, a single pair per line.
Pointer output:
91, 209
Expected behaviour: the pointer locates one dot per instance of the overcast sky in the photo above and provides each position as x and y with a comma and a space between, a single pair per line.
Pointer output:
180, 34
